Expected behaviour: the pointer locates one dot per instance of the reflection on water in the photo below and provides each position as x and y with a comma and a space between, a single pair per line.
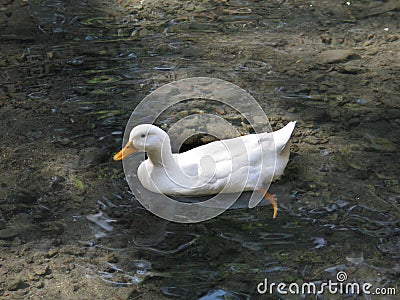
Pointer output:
72, 72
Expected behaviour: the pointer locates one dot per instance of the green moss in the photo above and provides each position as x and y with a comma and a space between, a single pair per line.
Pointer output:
103, 79
79, 184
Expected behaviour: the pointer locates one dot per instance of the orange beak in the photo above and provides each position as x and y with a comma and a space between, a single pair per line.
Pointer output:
125, 152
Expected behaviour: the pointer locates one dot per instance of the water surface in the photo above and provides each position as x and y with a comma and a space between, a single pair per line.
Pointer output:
73, 71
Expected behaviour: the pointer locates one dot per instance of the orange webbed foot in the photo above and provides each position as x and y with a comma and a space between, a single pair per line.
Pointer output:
271, 199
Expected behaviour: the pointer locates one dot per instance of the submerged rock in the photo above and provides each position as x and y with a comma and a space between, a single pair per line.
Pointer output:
92, 156
336, 56
8, 233
379, 144
17, 283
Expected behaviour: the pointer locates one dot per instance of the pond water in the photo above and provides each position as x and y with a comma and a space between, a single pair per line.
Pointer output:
73, 71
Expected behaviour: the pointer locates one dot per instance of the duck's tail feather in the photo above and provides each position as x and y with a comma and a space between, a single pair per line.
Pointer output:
282, 136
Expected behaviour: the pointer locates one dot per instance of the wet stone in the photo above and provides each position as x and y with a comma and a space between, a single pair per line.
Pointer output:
17, 284
392, 38
354, 121
8, 233
65, 141
335, 56
380, 144
390, 247
41, 270
312, 140
39, 285
111, 258
72, 250
92, 156
52, 252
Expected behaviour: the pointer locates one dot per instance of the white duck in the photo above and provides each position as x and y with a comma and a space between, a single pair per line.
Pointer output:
239, 164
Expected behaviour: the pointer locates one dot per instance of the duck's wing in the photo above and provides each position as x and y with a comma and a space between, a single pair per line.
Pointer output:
219, 162
243, 150
191, 161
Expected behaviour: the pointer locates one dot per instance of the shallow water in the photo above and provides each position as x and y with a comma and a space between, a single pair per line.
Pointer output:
73, 71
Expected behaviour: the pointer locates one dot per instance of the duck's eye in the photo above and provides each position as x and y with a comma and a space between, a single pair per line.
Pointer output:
143, 136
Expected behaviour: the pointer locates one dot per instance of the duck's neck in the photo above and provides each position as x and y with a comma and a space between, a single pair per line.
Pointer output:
162, 157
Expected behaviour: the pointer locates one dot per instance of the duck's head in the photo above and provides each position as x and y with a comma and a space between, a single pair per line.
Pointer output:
143, 138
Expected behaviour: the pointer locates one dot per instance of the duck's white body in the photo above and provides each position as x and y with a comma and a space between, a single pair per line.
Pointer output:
233, 165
